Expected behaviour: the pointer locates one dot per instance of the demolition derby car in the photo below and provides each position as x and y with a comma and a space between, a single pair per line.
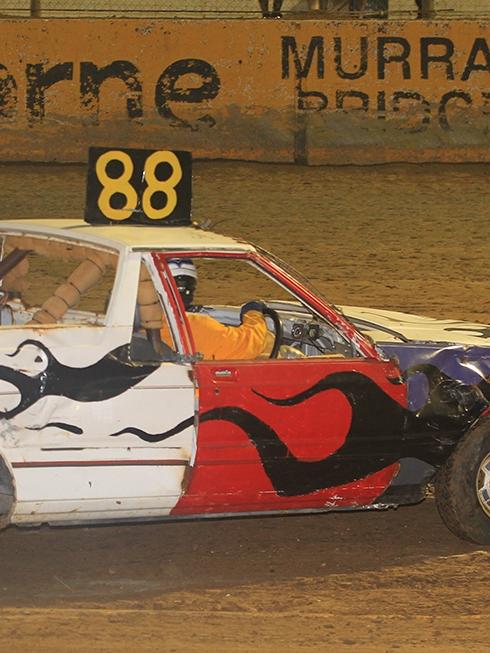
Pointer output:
109, 412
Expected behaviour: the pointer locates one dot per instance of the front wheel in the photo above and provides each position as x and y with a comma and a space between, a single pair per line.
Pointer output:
463, 487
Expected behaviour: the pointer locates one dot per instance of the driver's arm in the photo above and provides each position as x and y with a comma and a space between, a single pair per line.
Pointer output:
217, 341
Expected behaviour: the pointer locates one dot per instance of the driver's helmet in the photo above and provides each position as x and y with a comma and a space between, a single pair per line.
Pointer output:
185, 275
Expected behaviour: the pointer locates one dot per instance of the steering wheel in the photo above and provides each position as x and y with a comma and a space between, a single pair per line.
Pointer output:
276, 321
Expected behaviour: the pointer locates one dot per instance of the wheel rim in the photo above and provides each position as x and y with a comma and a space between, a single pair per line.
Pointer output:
483, 485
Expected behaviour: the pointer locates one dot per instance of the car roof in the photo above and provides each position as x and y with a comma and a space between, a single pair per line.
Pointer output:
132, 237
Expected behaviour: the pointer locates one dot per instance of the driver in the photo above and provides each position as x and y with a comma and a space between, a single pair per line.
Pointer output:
211, 338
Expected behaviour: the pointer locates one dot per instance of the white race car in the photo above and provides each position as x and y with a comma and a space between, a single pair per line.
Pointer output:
109, 411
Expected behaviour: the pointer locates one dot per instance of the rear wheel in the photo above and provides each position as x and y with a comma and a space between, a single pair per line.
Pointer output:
463, 487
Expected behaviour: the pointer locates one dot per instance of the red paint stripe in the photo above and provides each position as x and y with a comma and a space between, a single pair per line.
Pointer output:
99, 463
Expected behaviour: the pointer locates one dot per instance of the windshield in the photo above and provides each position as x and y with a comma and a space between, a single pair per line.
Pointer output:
295, 274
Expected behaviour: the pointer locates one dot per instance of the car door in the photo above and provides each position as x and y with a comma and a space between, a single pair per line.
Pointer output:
308, 432
91, 431
295, 434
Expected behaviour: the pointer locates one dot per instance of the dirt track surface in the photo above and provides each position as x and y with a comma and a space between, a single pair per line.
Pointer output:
412, 238
395, 580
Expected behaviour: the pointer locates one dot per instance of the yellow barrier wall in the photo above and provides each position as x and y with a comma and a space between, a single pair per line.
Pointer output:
308, 91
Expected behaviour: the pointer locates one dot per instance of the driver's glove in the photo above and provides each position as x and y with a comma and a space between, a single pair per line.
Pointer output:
255, 305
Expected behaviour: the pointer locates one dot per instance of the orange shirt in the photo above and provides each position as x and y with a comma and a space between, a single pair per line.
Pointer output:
216, 341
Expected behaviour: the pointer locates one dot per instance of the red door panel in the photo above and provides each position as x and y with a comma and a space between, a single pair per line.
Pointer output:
294, 434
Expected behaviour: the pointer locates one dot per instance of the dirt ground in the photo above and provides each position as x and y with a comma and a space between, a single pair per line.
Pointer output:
411, 238
386, 581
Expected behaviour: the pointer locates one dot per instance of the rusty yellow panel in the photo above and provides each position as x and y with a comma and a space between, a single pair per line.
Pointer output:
212, 87
394, 91
311, 91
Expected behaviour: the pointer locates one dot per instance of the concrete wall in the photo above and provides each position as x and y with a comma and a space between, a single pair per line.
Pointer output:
308, 91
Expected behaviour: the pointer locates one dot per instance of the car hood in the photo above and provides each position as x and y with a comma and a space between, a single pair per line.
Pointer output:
446, 362
388, 326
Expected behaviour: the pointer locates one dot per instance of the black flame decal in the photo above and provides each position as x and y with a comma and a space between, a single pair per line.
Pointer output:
109, 377
374, 439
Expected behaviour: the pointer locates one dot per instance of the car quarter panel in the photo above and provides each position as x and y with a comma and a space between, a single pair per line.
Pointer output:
76, 411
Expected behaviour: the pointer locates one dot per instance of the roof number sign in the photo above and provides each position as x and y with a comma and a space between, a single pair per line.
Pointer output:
134, 186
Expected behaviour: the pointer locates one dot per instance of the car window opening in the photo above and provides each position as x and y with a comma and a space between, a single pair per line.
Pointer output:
237, 311
46, 282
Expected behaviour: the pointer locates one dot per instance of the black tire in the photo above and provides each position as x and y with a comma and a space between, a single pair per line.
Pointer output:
462, 487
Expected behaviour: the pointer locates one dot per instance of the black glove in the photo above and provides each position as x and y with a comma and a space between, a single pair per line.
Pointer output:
256, 305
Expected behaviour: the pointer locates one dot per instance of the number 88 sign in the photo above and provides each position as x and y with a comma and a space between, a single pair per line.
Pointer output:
138, 186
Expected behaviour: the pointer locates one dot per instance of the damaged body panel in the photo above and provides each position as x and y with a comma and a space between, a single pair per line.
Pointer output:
446, 363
